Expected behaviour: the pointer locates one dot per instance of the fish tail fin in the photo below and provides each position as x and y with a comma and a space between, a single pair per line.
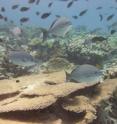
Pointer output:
67, 76
45, 34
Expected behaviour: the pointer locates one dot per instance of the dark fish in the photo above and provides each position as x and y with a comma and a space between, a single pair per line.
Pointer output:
1, 16
50, 4
63, 0
70, 4
1, 40
5, 19
110, 17
15, 6
24, 19
37, 2
11, 21
2, 9
101, 17
31, 1
21, 58
100, 7
37, 13
112, 31
85, 74
113, 25
75, 17
83, 12
23, 9
98, 38
45, 15
57, 16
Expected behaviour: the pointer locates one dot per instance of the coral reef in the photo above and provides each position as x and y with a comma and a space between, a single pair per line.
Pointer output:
50, 97
83, 50
56, 64
46, 98
38, 95
108, 112
113, 41
46, 50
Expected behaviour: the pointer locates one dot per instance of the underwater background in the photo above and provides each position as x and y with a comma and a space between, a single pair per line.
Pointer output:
59, 7
58, 60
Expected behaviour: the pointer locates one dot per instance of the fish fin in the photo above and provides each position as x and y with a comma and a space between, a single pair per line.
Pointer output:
67, 76
45, 34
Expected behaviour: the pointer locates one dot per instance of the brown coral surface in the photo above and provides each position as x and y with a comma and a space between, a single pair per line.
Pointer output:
48, 99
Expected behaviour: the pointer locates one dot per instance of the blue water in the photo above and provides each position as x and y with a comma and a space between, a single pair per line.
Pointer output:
91, 19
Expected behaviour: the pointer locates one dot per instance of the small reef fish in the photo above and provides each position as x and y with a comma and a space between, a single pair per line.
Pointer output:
112, 31
57, 16
3, 9
11, 21
31, 1
113, 25
101, 17
83, 12
15, 6
5, 19
37, 13
110, 17
85, 74
100, 7
37, 2
70, 4
45, 15
98, 38
63, 0
50, 4
60, 27
21, 58
75, 17
1, 16
23, 9
24, 19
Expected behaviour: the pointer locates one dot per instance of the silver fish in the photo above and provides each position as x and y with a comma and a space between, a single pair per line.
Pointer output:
85, 74
21, 58
59, 28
